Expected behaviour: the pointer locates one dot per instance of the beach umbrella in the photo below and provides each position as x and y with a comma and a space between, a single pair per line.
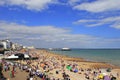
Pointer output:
42, 65
106, 77
100, 76
76, 70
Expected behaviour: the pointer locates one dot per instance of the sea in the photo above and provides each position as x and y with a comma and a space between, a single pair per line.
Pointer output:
110, 56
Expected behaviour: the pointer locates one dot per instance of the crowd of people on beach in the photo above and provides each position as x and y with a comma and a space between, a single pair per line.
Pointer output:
48, 67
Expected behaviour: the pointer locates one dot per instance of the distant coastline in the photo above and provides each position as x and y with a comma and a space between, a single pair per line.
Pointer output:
86, 48
109, 56
80, 64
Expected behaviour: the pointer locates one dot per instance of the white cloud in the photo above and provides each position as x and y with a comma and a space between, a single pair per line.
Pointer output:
13, 30
2, 2
50, 36
73, 2
36, 5
99, 6
116, 25
113, 21
16, 28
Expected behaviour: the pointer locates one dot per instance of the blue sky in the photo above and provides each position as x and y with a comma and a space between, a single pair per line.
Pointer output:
61, 23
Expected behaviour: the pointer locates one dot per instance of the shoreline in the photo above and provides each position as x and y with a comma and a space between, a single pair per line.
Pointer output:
51, 62
85, 60
80, 59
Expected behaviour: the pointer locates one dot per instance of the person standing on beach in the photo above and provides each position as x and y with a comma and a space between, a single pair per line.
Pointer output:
118, 75
1, 69
13, 73
1, 66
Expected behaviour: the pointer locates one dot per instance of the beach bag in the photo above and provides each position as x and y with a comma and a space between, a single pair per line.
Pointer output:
41, 75
108, 70
28, 78
113, 78
57, 72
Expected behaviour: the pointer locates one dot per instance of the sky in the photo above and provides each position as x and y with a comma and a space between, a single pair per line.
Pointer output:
61, 23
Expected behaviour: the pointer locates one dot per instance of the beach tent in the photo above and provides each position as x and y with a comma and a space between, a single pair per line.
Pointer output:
69, 67
18, 56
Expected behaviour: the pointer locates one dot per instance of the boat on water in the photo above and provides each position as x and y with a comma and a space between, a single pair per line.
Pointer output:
66, 49
59, 49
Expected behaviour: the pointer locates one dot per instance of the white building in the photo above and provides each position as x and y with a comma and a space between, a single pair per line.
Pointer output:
5, 43
31, 47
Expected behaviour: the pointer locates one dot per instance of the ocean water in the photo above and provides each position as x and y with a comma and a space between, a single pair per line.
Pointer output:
111, 56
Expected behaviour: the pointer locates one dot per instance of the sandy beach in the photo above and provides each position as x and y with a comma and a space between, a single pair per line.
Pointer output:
60, 67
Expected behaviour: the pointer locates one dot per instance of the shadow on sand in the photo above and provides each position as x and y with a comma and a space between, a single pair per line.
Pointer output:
2, 77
